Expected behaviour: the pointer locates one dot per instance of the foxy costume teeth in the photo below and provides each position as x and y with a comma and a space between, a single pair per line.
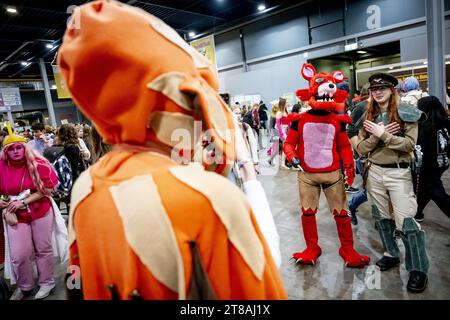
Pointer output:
141, 226
316, 143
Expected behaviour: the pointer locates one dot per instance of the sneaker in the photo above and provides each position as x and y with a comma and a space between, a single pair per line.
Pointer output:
44, 292
351, 190
17, 295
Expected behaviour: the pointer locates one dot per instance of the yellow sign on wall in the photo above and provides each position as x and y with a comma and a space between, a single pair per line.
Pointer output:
206, 47
61, 88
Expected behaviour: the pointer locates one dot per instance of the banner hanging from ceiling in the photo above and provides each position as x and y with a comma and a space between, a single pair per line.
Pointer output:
61, 88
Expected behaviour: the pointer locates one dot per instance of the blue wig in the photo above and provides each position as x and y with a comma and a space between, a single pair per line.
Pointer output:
410, 83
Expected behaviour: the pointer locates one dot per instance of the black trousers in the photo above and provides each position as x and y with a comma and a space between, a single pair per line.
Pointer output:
431, 188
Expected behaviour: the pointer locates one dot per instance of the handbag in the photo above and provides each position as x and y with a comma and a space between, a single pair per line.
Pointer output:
11, 217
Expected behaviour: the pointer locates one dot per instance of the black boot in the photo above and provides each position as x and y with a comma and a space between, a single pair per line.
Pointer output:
417, 282
386, 262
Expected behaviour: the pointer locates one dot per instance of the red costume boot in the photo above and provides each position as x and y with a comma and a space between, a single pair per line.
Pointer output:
312, 251
351, 257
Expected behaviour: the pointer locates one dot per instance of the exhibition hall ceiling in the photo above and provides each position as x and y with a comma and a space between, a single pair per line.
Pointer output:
32, 29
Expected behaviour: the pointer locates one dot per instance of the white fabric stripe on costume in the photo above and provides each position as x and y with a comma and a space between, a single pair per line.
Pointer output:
166, 126
235, 215
149, 232
169, 85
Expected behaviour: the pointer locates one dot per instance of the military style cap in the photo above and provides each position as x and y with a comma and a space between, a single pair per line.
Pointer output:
382, 80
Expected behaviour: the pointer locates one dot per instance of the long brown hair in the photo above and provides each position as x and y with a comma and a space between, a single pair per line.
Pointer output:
67, 135
373, 109
282, 105
98, 147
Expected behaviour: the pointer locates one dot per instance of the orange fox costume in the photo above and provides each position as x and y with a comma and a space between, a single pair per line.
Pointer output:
142, 226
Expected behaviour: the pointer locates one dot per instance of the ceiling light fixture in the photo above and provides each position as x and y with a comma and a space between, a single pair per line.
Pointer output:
390, 68
191, 34
11, 10
54, 87
361, 51
425, 62
24, 63
49, 46
261, 7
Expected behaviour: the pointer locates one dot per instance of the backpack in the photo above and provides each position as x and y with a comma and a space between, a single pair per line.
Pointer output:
443, 149
55, 155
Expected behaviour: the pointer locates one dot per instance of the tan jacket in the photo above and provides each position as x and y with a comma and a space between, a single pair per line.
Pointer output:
389, 148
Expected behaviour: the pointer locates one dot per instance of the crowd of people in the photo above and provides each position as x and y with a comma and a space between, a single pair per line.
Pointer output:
400, 153
143, 226
37, 171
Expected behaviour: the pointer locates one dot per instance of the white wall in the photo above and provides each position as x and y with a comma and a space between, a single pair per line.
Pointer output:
270, 79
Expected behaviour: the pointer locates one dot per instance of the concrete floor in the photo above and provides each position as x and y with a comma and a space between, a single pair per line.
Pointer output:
330, 279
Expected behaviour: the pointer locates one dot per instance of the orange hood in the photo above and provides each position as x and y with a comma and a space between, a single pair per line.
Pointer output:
139, 81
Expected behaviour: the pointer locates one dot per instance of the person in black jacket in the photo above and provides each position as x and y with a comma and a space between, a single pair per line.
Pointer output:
67, 137
262, 111
434, 142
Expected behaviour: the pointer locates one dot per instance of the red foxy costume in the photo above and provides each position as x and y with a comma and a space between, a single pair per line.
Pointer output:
316, 143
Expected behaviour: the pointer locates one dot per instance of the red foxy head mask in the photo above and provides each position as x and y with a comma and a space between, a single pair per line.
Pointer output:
322, 93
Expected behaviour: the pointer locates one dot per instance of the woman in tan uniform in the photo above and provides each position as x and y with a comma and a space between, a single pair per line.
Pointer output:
389, 181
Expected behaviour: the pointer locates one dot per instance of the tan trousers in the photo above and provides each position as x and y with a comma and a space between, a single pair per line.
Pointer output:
333, 187
391, 191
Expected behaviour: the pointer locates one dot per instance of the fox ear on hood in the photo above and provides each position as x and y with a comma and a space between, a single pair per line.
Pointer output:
308, 71
338, 76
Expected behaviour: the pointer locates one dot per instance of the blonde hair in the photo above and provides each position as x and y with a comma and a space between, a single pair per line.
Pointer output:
275, 109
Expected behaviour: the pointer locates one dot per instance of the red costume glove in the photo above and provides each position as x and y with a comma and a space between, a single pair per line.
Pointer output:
346, 154
349, 171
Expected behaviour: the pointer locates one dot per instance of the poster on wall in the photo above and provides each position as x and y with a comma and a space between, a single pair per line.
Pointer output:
10, 100
61, 88
206, 47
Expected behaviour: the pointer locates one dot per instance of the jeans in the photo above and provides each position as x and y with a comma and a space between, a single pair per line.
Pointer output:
357, 200
361, 197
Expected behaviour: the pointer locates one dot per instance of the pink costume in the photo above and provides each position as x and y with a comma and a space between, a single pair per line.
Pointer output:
33, 233
10, 184
282, 125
